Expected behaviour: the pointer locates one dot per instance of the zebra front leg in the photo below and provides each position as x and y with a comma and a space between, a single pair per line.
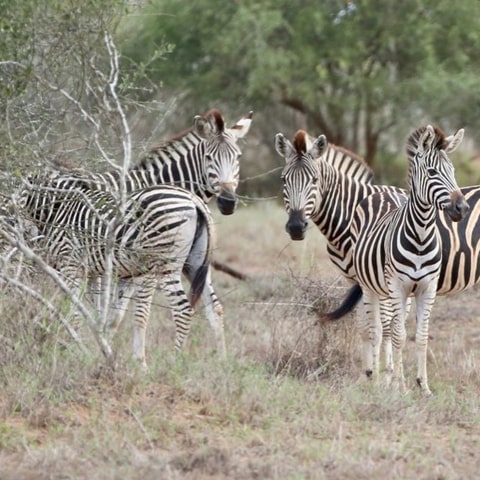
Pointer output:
424, 301
399, 337
386, 321
386, 316
370, 330
214, 312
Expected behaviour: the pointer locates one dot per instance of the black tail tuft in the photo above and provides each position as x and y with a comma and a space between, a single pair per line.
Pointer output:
198, 284
348, 304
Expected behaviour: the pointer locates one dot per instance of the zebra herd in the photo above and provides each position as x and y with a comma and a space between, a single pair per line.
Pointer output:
151, 225
334, 189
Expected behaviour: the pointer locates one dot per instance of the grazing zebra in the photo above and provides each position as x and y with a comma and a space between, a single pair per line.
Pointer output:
397, 249
164, 231
326, 188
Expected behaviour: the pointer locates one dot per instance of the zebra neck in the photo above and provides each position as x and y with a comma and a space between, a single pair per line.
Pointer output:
336, 208
180, 162
420, 220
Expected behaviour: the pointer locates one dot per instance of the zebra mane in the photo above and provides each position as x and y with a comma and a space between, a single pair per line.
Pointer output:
213, 116
350, 164
414, 137
342, 160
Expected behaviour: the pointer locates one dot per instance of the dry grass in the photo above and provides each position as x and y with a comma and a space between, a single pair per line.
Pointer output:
286, 404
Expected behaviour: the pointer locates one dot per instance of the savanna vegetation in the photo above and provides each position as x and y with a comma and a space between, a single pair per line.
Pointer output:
91, 85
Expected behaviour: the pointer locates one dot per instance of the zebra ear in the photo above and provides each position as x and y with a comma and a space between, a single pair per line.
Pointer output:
241, 128
453, 141
318, 146
202, 126
283, 146
425, 142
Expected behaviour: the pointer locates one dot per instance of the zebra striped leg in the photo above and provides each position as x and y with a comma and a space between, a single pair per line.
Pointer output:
171, 285
424, 301
370, 330
214, 312
143, 299
386, 318
399, 337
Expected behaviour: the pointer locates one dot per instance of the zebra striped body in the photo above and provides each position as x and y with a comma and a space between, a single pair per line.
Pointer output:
163, 232
397, 249
323, 183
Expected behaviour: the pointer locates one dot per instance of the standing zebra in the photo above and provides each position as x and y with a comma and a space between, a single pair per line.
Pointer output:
397, 249
325, 186
163, 232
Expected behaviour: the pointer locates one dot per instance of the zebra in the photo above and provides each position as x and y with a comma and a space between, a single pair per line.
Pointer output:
397, 250
163, 231
327, 186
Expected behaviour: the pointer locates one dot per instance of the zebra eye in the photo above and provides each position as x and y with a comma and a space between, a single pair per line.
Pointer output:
432, 172
314, 180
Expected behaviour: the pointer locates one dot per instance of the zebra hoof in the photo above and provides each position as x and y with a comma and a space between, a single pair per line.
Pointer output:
426, 392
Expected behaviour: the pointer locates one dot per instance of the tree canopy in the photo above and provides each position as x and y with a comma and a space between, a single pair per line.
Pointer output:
355, 69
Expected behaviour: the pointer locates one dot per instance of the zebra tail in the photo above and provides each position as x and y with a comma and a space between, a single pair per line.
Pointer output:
200, 277
348, 304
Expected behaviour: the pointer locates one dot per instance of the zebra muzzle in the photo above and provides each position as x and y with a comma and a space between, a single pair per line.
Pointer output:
227, 202
458, 207
296, 225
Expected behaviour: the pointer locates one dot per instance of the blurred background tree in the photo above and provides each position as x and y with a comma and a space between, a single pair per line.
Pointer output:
363, 72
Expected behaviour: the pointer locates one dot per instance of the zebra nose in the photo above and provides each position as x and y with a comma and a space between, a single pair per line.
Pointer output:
459, 207
226, 202
296, 225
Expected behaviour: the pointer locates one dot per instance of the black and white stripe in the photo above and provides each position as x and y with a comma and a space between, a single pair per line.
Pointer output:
203, 160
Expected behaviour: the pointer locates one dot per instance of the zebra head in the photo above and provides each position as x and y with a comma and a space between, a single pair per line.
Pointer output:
300, 178
221, 156
431, 175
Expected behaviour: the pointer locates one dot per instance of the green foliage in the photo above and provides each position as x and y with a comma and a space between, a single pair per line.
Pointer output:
354, 73
54, 71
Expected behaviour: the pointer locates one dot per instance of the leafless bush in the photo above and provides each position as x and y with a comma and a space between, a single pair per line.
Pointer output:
304, 347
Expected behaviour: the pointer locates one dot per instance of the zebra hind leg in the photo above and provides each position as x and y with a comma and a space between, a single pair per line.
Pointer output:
182, 311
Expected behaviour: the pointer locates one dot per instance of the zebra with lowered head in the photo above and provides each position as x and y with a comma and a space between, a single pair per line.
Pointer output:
397, 249
158, 234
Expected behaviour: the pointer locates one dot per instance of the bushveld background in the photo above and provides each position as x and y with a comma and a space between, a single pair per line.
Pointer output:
287, 404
